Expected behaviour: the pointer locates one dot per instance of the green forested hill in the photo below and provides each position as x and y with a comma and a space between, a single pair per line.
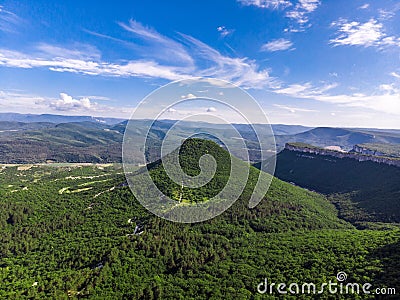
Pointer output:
306, 209
77, 231
65, 142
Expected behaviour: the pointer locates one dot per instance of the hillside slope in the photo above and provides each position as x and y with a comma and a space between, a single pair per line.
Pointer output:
369, 191
77, 231
64, 142
301, 208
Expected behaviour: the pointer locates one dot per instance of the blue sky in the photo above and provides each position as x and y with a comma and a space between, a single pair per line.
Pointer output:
311, 62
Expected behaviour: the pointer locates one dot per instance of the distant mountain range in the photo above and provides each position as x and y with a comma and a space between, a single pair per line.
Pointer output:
279, 129
390, 150
64, 142
26, 138
49, 118
344, 137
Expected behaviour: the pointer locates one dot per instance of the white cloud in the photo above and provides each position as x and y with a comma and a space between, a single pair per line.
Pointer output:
294, 89
67, 103
387, 87
365, 6
165, 48
385, 15
277, 45
21, 102
9, 21
294, 109
302, 9
224, 32
139, 68
298, 13
273, 4
386, 99
75, 51
28, 103
188, 96
211, 109
99, 98
369, 34
241, 71
396, 75
309, 5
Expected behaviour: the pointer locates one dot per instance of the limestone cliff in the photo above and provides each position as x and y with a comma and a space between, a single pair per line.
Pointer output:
305, 148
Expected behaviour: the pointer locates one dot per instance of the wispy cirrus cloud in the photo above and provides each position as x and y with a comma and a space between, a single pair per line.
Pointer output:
395, 75
385, 15
224, 32
364, 6
277, 45
388, 13
302, 9
203, 60
138, 68
75, 51
273, 4
155, 45
9, 21
309, 5
96, 97
385, 99
293, 109
295, 10
242, 71
368, 34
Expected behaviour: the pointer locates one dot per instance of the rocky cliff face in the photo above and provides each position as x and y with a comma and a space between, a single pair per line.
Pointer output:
366, 151
353, 155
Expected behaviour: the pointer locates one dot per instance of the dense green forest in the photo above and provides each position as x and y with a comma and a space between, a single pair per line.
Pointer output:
363, 191
75, 231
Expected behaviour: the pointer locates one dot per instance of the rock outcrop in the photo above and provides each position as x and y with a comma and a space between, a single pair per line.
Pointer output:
304, 148
366, 151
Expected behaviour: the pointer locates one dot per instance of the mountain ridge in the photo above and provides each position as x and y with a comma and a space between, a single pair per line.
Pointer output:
90, 141
346, 138
306, 148
363, 191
